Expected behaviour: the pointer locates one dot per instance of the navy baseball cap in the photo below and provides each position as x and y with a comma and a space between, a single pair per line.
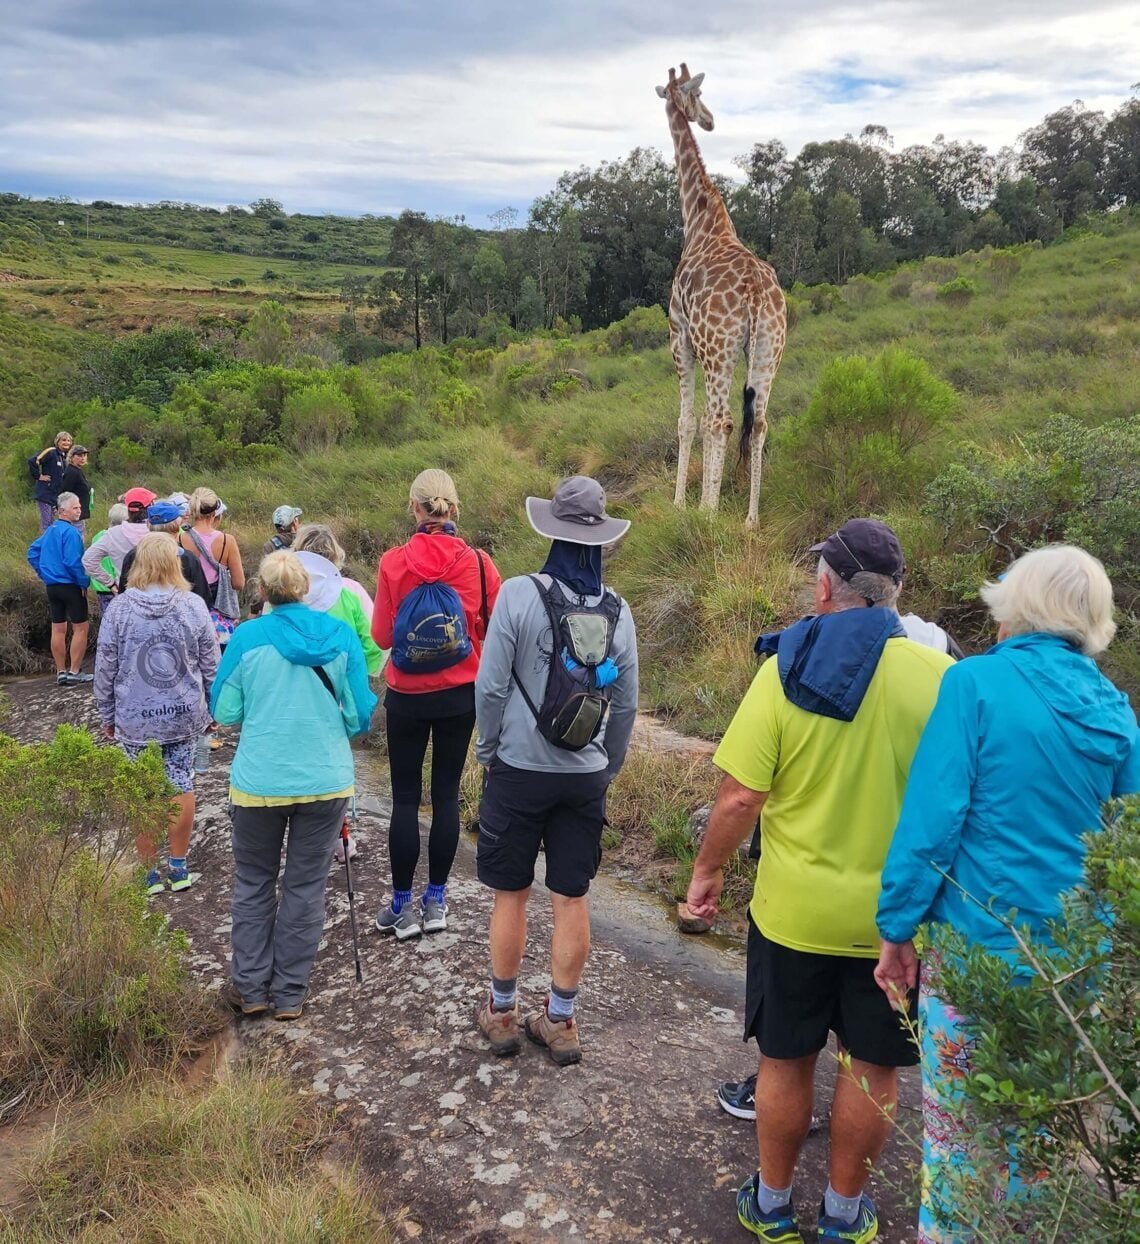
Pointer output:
863, 544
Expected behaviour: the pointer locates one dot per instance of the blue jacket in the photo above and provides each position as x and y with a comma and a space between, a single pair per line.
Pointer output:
294, 736
1024, 745
57, 556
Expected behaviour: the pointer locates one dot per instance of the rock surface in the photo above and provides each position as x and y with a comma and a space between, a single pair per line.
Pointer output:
467, 1148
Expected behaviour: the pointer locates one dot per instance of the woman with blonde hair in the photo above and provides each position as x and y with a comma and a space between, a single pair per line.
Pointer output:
1024, 745
294, 679
46, 469
154, 669
434, 595
219, 555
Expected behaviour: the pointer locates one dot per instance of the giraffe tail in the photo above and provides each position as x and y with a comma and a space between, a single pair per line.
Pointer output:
748, 421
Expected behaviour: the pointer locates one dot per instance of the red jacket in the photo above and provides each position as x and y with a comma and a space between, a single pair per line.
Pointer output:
431, 559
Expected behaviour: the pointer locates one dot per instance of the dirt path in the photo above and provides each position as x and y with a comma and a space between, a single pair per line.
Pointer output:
629, 1145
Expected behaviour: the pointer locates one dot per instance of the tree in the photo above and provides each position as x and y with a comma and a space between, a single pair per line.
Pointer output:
267, 334
489, 276
842, 231
1025, 209
266, 208
1065, 154
409, 249
1122, 154
795, 243
766, 170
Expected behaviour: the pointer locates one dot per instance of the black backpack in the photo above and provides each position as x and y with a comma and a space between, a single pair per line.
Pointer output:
574, 706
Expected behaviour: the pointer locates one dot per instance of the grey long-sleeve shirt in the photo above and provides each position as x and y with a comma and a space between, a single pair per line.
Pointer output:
519, 636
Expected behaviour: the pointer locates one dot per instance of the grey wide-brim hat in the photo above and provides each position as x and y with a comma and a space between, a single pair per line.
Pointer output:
577, 513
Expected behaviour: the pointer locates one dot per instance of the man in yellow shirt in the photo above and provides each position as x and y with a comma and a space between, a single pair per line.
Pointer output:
820, 748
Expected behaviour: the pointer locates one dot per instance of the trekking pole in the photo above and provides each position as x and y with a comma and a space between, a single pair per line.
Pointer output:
351, 895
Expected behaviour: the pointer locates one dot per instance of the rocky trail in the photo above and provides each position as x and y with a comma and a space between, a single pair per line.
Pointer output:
470, 1149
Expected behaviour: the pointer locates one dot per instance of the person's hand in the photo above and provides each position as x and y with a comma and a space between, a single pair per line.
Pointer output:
109, 731
704, 893
897, 972
45, 479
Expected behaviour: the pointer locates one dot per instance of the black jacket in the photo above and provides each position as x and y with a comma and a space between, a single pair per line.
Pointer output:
191, 572
75, 481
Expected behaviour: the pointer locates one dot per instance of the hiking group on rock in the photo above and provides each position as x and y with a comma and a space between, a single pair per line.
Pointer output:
887, 781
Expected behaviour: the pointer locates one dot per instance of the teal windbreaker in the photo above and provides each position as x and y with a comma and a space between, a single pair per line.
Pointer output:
1024, 745
294, 736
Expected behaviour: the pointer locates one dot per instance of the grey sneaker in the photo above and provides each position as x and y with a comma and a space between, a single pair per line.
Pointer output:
75, 679
406, 924
435, 916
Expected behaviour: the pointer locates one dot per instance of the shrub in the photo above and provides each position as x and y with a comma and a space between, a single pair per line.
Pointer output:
93, 982
957, 292
644, 328
851, 451
1062, 1089
1004, 266
860, 292
316, 418
901, 283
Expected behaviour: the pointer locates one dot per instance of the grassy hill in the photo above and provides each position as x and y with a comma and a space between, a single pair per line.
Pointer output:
1036, 436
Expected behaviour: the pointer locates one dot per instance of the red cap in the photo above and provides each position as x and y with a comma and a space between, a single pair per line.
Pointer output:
138, 497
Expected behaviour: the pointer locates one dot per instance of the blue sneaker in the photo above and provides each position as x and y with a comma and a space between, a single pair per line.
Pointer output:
153, 884
181, 879
864, 1229
778, 1227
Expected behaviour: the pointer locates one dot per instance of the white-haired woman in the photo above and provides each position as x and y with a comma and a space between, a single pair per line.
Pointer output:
1024, 745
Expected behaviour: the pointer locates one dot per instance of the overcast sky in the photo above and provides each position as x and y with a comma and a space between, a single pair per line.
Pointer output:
466, 106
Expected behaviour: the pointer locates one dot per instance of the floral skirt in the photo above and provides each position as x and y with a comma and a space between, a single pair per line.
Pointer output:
950, 1136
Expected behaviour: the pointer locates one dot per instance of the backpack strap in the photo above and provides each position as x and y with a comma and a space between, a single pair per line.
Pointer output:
545, 595
482, 591
204, 548
322, 674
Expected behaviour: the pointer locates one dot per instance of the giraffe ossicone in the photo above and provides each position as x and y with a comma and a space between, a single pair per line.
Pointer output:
725, 301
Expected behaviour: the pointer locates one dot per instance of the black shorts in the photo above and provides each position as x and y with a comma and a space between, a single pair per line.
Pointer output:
794, 999
523, 810
68, 603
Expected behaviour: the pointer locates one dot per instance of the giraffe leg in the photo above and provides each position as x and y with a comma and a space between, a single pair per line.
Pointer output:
684, 359
762, 383
717, 430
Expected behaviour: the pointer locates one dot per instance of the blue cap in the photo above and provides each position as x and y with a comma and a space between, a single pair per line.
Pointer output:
162, 512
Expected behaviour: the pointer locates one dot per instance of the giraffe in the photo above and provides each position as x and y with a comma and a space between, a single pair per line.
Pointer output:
724, 300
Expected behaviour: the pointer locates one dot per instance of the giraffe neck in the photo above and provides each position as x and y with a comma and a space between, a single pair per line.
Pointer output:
702, 208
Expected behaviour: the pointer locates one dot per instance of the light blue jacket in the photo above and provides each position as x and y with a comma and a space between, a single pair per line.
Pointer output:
1024, 745
294, 734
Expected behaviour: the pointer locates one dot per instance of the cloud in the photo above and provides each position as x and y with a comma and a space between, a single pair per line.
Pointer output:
449, 107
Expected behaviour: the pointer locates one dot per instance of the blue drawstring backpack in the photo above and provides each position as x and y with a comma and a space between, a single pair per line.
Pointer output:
430, 632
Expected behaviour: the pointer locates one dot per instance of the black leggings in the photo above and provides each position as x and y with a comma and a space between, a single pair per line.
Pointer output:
408, 734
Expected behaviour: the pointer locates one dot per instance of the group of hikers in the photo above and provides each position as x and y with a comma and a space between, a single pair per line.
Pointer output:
889, 782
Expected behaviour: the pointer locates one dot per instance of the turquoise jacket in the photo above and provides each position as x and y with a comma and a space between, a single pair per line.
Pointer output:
1024, 745
294, 735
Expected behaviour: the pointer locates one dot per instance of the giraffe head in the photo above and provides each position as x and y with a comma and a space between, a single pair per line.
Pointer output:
685, 92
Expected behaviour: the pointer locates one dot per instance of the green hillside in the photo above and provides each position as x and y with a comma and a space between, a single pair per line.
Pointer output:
1005, 412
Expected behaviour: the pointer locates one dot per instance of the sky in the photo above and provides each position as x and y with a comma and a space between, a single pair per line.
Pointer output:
463, 107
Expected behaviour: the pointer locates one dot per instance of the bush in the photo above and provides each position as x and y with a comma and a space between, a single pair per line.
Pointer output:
958, 292
1062, 1089
316, 418
852, 450
644, 328
93, 982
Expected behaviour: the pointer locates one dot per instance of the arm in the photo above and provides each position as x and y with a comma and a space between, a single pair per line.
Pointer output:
227, 696
373, 657
107, 669
357, 701
93, 564
733, 818
1127, 780
623, 704
493, 682
382, 611
34, 550
233, 562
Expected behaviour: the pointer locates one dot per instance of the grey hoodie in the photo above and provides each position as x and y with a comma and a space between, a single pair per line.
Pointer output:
155, 666
519, 637
115, 543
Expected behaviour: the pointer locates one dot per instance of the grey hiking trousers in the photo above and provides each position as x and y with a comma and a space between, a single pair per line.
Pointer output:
274, 941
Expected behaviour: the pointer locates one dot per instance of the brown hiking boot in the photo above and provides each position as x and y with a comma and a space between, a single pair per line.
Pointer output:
560, 1036
501, 1028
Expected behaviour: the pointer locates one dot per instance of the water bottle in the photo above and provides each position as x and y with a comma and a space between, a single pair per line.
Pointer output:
202, 753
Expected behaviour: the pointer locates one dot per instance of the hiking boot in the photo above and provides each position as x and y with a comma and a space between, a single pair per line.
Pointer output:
778, 1227
236, 1001
738, 1098
864, 1229
180, 879
287, 1012
560, 1036
435, 916
77, 677
405, 923
501, 1028
153, 883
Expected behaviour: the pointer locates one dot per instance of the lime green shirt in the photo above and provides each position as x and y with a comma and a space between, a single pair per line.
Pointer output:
835, 789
